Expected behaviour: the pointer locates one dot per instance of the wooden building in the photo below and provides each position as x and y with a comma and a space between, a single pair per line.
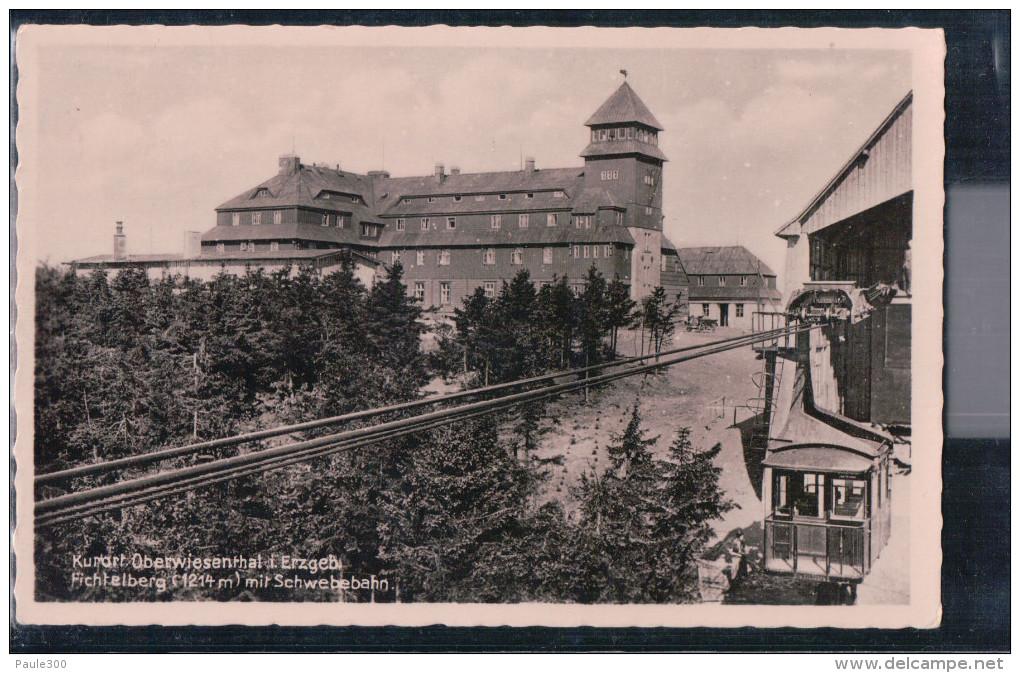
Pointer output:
842, 391
453, 232
729, 284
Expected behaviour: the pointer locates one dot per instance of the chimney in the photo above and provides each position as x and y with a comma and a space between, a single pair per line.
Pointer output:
290, 164
119, 243
529, 165
192, 244
454, 170
440, 175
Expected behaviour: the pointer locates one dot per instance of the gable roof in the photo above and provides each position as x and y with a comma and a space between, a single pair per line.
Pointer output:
722, 260
622, 107
790, 228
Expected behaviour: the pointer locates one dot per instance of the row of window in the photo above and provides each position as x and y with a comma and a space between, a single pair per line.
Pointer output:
739, 309
610, 175
496, 221
624, 133
339, 220
722, 281
516, 255
559, 194
249, 246
489, 286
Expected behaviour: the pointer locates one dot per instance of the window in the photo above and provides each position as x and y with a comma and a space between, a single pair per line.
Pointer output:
547, 254
444, 258
522, 220
559, 194
401, 222
582, 221
419, 290
489, 256
576, 251
722, 281
235, 219
355, 199
610, 175
221, 247
662, 264
626, 254
619, 217
529, 195
432, 199
517, 256
603, 135
701, 281
594, 135
325, 219
704, 310
650, 180
648, 210
444, 292
648, 236
496, 221
550, 219
586, 251
256, 217
480, 197
419, 258
607, 251
395, 257
502, 197
595, 251
490, 289
740, 310
743, 281
458, 198
451, 223
425, 223
407, 200
277, 216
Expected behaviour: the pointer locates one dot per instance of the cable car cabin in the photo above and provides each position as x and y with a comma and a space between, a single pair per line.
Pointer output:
825, 489
828, 510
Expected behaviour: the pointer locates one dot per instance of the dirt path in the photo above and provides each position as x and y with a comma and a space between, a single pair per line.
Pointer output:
680, 396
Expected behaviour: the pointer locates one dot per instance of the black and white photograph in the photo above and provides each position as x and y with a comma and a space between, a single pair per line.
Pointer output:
523, 326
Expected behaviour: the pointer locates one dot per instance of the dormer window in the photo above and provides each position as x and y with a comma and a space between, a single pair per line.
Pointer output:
221, 247
480, 197
458, 198
502, 197
261, 191
722, 281
559, 194
529, 195
407, 200
401, 222
432, 199
355, 199
743, 281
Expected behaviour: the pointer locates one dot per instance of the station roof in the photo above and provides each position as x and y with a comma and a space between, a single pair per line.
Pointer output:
722, 261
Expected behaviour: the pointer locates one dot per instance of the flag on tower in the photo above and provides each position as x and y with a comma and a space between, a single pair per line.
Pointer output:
624, 73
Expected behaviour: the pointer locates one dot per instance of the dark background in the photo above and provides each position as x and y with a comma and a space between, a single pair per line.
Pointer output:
976, 460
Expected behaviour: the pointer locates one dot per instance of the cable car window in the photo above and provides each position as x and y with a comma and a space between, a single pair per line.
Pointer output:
846, 498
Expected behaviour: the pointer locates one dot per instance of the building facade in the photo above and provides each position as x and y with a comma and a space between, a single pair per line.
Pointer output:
730, 285
453, 232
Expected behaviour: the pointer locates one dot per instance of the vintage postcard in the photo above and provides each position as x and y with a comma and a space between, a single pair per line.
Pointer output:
478, 326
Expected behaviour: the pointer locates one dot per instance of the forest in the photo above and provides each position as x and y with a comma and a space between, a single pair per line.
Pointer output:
125, 365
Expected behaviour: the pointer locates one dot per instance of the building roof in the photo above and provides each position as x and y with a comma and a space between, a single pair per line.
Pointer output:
388, 190
791, 228
591, 199
219, 257
618, 147
515, 203
622, 107
509, 236
722, 260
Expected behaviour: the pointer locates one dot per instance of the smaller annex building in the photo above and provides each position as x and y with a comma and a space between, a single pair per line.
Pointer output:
729, 284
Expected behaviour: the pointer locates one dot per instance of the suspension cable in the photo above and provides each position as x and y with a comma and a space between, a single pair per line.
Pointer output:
136, 491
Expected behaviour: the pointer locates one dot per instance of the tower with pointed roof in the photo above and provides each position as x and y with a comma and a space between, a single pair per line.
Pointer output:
624, 159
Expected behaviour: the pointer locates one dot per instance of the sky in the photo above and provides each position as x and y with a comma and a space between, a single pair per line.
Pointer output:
159, 134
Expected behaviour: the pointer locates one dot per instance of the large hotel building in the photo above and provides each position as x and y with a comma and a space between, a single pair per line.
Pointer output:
454, 232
